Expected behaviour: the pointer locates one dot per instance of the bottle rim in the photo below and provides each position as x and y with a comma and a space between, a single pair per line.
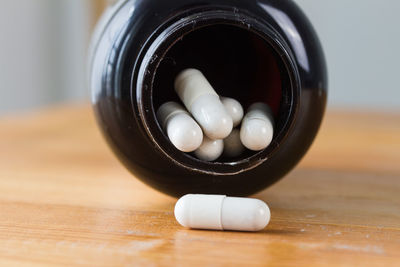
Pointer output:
159, 44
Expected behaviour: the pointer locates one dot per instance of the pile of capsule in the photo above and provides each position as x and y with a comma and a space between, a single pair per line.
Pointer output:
209, 126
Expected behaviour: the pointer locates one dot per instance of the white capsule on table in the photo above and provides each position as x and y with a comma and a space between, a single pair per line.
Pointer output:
182, 130
210, 150
234, 109
233, 147
217, 212
203, 103
257, 128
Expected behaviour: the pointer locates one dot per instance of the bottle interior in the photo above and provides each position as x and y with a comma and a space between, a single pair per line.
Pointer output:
237, 62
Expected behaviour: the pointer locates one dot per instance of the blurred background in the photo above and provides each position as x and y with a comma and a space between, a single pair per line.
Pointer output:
43, 51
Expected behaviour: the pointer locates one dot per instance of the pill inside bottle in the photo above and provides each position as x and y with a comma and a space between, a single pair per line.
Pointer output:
234, 109
233, 146
203, 103
257, 128
182, 130
210, 150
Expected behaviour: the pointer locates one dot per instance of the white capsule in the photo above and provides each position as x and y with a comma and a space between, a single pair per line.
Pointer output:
182, 130
217, 212
257, 128
233, 147
210, 149
234, 109
203, 103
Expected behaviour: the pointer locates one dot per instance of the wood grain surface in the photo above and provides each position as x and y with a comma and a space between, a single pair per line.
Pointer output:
66, 200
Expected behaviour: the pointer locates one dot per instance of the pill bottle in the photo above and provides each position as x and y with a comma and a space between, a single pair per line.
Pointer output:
252, 50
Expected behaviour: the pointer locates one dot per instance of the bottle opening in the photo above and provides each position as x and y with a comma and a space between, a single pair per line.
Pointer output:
241, 59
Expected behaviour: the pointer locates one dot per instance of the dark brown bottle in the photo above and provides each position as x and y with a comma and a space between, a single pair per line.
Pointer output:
254, 51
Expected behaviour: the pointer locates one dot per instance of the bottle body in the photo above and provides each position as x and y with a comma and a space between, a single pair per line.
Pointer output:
252, 50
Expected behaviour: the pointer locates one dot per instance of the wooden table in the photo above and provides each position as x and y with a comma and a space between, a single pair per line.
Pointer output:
66, 200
